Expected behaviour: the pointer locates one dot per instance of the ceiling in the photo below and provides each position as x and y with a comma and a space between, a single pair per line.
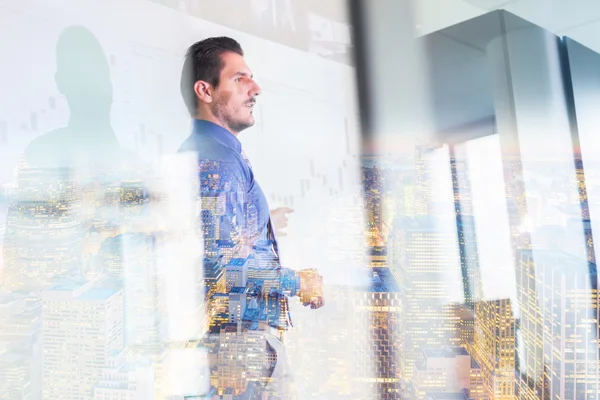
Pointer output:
577, 19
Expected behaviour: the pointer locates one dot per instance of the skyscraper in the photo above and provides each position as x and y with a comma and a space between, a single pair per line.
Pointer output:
213, 209
126, 380
129, 260
44, 227
242, 358
423, 259
379, 347
559, 327
20, 374
423, 179
494, 348
312, 288
82, 325
236, 273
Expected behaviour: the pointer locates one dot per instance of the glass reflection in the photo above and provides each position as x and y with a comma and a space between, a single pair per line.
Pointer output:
455, 246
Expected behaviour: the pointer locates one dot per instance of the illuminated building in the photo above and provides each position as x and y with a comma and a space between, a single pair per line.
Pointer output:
423, 177
243, 357
263, 266
447, 370
111, 257
213, 209
311, 284
20, 353
408, 201
461, 183
217, 311
142, 303
44, 228
465, 227
129, 260
236, 273
379, 347
214, 277
421, 259
82, 326
465, 323
225, 249
126, 380
447, 396
378, 257
15, 374
273, 305
559, 326
477, 390
237, 304
209, 232
373, 186
133, 199
469, 258
494, 348
252, 220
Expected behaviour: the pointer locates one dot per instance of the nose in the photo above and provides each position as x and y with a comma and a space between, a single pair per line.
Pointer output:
255, 89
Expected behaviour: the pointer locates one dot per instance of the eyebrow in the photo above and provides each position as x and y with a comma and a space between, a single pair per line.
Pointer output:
240, 73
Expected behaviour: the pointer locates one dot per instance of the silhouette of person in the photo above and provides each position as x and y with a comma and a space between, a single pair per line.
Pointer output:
57, 165
55, 221
83, 77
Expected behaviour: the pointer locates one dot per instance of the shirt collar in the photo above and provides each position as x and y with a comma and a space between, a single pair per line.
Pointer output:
218, 133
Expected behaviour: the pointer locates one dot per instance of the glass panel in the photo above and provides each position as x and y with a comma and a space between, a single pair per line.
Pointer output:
123, 274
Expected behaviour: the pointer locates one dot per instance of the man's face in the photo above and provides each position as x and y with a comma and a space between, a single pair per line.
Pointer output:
235, 96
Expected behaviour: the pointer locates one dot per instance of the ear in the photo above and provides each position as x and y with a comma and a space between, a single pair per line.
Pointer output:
204, 91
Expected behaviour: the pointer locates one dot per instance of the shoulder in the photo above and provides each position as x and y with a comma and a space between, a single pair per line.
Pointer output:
49, 148
213, 156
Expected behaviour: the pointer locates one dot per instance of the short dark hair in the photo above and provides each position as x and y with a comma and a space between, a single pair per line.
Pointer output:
203, 62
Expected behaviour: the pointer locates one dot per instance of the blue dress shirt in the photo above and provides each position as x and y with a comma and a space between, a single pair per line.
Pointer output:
226, 175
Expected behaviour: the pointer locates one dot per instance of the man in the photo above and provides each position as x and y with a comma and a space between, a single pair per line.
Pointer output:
244, 280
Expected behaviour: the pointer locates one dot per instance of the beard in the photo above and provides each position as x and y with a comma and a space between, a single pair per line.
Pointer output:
230, 116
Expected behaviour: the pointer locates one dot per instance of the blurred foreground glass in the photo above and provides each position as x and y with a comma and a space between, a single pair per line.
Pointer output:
466, 184
487, 195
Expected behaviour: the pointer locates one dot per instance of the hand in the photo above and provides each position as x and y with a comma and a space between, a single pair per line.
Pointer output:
279, 220
311, 288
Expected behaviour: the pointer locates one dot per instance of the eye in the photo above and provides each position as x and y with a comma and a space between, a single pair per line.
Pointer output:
238, 79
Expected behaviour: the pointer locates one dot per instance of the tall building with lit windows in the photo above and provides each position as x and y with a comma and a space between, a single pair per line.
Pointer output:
422, 257
129, 260
214, 277
82, 325
373, 185
213, 209
423, 177
44, 228
125, 379
217, 311
379, 347
236, 273
469, 258
237, 304
311, 284
242, 358
494, 348
559, 326
20, 352
263, 266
